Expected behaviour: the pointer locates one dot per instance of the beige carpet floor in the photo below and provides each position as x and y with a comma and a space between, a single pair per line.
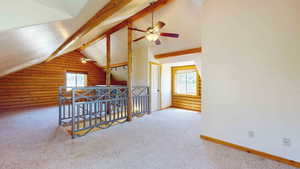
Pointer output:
166, 139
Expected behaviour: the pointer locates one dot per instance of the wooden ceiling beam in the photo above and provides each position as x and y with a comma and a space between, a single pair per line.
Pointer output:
108, 10
117, 65
178, 53
155, 6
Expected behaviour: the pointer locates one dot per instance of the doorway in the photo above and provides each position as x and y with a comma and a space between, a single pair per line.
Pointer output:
155, 84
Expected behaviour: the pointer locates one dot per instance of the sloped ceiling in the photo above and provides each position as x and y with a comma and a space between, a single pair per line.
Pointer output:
29, 45
119, 49
16, 13
72, 7
26, 45
181, 16
132, 8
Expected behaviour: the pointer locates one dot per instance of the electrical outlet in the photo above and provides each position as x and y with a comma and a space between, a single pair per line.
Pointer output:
251, 134
286, 142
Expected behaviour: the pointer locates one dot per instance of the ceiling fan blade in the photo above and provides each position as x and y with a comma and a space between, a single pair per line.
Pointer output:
139, 39
160, 25
171, 35
157, 42
136, 29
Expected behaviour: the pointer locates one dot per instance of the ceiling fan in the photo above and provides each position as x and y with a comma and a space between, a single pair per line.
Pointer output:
84, 60
153, 33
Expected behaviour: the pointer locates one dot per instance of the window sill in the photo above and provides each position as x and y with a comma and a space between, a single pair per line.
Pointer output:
183, 95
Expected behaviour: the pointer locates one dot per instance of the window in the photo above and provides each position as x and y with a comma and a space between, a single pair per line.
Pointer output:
76, 79
185, 80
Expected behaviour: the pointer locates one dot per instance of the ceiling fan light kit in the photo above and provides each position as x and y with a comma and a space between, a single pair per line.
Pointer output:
152, 34
152, 37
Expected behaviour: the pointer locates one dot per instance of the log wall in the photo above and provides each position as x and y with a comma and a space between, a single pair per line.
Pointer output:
37, 86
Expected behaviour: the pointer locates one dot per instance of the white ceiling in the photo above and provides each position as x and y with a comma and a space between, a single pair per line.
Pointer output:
28, 45
180, 17
17, 14
132, 8
72, 7
119, 49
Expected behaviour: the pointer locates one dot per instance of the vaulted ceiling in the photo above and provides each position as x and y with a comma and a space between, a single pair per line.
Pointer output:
28, 37
31, 30
179, 16
24, 46
16, 13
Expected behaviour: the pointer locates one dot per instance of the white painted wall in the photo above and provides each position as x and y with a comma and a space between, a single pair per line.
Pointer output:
120, 73
167, 63
140, 65
186, 12
251, 70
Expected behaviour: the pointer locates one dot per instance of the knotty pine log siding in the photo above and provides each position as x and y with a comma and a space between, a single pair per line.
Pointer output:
37, 86
188, 102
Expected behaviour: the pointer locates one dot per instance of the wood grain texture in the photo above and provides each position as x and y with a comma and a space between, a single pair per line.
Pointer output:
129, 82
188, 102
108, 58
116, 65
37, 86
178, 53
252, 151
